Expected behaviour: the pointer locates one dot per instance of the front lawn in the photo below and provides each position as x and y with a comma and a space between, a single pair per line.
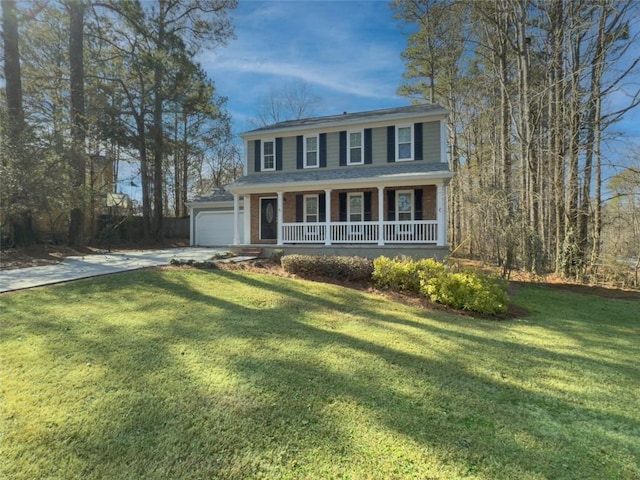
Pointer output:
188, 374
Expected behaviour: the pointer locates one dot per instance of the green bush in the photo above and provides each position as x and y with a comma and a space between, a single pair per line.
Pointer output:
336, 267
404, 274
467, 290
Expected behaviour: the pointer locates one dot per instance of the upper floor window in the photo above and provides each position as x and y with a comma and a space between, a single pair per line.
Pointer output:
404, 142
268, 155
311, 152
354, 148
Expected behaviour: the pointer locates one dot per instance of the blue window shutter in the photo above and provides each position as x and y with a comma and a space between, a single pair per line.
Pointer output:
300, 152
417, 198
322, 207
391, 205
299, 207
391, 144
323, 150
342, 204
368, 154
256, 155
279, 153
417, 141
343, 148
367, 206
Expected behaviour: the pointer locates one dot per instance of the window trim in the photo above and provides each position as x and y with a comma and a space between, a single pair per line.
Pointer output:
349, 160
350, 195
411, 143
262, 155
304, 211
306, 152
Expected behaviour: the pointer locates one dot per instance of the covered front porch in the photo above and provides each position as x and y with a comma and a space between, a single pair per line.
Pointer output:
399, 205
366, 215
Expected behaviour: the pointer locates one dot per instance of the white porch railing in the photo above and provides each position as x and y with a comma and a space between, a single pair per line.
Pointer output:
354, 232
424, 231
418, 231
303, 232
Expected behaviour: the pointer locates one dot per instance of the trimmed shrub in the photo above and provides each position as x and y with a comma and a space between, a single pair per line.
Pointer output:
336, 267
467, 290
404, 274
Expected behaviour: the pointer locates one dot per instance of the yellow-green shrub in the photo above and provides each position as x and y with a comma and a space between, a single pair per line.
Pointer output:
404, 274
467, 290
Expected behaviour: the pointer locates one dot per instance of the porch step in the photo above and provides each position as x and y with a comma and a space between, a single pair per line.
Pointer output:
251, 252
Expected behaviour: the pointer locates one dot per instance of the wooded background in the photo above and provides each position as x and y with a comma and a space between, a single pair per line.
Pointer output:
543, 179
115, 82
535, 88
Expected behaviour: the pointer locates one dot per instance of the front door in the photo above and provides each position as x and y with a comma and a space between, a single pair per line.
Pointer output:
268, 218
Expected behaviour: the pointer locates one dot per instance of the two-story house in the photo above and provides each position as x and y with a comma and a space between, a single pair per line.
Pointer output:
367, 183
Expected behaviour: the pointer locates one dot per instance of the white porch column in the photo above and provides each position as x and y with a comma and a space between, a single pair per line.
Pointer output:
246, 216
280, 218
192, 231
236, 218
327, 211
380, 215
441, 206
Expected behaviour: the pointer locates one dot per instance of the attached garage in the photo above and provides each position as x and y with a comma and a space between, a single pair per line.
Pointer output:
212, 220
215, 229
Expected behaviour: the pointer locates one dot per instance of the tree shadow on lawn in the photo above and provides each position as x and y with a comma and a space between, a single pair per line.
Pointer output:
297, 295
154, 416
268, 322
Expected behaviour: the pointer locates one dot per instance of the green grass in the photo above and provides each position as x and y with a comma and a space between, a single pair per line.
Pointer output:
190, 374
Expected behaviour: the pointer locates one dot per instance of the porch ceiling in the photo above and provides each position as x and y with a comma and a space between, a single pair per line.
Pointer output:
341, 178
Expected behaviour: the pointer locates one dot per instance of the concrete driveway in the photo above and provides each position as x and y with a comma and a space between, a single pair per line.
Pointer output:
74, 268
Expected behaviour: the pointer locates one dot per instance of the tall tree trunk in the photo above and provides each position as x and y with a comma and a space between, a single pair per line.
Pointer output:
572, 256
158, 130
22, 227
12, 71
177, 149
76, 9
556, 120
594, 136
185, 169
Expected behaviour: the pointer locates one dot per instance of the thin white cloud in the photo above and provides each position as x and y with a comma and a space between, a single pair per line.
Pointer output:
349, 48
349, 52
349, 81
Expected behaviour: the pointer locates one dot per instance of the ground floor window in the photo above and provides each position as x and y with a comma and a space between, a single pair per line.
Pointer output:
404, 201
311, 209
355, 207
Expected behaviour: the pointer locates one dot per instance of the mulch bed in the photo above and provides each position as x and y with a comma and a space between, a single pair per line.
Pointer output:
514, 311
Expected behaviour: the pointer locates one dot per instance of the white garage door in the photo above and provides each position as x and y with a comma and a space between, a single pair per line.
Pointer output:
216, 229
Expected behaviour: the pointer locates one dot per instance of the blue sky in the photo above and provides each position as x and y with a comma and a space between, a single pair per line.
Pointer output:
347, 51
